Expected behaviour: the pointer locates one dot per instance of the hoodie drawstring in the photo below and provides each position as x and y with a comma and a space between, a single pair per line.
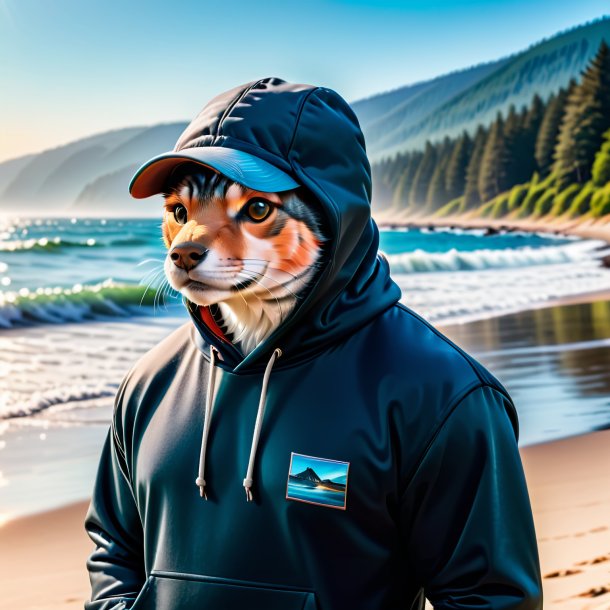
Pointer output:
209, 404
200, 481
259, 422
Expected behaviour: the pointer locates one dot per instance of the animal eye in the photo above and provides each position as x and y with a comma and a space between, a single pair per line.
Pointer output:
258, 209
180, 214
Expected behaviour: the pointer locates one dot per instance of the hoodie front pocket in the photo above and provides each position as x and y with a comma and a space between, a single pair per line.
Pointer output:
178, 590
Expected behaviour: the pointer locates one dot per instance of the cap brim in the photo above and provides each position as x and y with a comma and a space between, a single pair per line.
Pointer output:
249, 170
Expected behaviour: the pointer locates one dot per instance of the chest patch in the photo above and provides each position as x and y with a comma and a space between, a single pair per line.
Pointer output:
317, 480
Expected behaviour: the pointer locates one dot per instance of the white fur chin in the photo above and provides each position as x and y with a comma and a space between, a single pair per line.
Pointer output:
251, 321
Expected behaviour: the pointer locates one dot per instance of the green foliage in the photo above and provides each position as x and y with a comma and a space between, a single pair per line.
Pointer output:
536, 189
547, 158
400, 196
422, 177
455, 177
563, 200
545, 202
586, 118
500, 206
455, 206
520, 133
517, 195
580, 203
601, 165
471, 188
600, 201
485, 210
546, 139
437, 193
493, 175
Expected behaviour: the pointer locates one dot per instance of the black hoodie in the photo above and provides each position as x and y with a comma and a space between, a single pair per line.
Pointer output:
380, 458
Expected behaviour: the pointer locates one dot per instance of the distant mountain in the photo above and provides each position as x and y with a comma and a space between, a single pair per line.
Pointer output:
310, 478
308, 474
404, 119
91, 175
412, 104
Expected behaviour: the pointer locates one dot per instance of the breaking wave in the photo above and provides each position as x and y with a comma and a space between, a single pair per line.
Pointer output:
420, 261
79, 303
57, 243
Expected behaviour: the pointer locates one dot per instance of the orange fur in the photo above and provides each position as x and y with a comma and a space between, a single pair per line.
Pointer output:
246, 266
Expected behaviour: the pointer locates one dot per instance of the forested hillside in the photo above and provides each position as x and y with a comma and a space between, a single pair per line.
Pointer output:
446, 106
550, 156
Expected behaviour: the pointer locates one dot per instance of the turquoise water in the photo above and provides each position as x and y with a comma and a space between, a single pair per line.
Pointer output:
302, 491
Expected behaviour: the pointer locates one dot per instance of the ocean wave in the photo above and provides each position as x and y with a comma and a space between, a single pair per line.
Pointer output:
59, 397
76, 304
420, 261
45, 244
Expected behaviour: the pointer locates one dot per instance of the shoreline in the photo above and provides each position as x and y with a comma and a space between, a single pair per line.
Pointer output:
569, 488
585, 228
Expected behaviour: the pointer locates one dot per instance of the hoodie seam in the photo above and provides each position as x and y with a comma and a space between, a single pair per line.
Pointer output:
454, 346
289, 158
232, 105
455, 402
491, 382
298, 119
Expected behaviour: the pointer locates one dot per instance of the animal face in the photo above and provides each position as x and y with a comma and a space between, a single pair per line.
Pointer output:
234, 245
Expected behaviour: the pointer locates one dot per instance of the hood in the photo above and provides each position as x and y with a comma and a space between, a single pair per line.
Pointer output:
312, 134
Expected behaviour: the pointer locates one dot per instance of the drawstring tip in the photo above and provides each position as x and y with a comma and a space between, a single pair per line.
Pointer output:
248, 486
201, 484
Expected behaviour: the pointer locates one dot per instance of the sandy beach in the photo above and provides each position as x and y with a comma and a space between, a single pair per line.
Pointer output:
42, 556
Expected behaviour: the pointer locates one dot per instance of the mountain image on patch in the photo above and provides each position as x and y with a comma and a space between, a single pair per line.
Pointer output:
317, 480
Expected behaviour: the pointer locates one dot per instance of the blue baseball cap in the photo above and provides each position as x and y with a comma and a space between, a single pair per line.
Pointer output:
245, 168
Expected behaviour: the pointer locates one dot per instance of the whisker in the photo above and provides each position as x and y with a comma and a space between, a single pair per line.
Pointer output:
149, 284
150, 260
315, 265
273, 280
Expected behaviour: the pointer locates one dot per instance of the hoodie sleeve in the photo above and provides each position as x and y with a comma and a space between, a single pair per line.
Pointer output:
465, 516
116, 566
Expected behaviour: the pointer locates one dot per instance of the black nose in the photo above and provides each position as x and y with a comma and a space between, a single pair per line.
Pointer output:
187, 255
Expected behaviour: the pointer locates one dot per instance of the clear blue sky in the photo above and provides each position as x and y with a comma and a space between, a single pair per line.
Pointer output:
70, 68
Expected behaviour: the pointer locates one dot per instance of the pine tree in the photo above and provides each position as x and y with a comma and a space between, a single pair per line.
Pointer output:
455, 177
437, 193
471, 189
586, 118
546, 140
531, 123
601, 165
381, 188
493, 176
401, 192
513, 136
423, 174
